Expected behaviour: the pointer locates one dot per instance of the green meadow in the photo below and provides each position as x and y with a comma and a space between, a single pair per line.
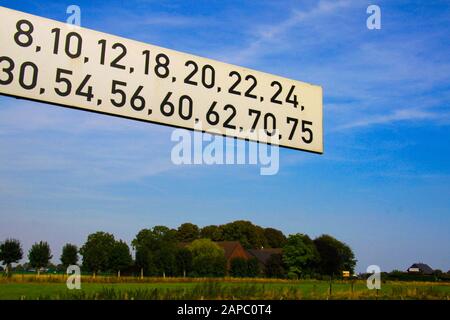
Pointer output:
110, 288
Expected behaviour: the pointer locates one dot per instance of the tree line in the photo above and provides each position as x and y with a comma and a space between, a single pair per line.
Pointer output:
192, 251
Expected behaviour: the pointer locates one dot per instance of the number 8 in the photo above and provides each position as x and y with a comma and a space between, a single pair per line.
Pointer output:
21, 31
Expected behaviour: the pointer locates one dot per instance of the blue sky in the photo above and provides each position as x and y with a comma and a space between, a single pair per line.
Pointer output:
382, 185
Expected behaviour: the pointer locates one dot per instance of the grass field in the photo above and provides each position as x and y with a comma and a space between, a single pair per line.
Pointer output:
54, 287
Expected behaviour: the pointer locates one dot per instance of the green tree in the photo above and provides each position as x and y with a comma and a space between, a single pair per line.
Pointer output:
275, 238
208, 259
183, 262
39, 255
300, 255
120, 258
69, 255
96, 251
335, 256
188, 232
214, 233
248, 234
156, 251
10, 252
241, 267
253, 268
275, 267
238, 267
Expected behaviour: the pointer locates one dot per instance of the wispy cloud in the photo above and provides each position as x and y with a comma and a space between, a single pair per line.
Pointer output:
175, 21
395, 116
266, 34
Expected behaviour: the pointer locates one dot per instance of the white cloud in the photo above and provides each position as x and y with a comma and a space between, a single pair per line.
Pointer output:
395, 116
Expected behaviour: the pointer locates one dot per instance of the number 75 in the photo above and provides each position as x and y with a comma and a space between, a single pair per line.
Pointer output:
305, 129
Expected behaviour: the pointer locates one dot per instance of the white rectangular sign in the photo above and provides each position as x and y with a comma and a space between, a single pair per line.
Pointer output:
57, 63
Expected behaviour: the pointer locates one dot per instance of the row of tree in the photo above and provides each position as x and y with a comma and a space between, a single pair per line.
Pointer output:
192, 251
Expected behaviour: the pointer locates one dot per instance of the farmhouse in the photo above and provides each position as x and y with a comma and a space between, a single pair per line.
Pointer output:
233, 249
263, 255
420, 268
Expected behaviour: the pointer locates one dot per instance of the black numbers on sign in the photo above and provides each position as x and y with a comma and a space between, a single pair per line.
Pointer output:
115, 46
24, 30
102, 43
194, 71
269, 121
258, 115
7, 70
270, 118
277, 93
73, 41
213, 118
253, 86
87, 94
57, 33
166, 103
146, 53
305, 129
116, 90
26, 69
291, 96
227, 124
60, 78
189, 106
232, 89
73, 36
168, 108
208, 75
81, 90
292, 100
162, 62
212, 113
295, 122
248, 93
115, 62
208, 81
137, 101
23, 71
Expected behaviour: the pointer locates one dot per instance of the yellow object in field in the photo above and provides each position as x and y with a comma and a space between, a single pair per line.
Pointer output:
346, 274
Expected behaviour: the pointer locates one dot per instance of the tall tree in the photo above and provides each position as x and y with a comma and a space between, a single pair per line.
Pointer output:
120, 258
275, 238
183, 262
275, 267
188, 232
300, 255
39, 255
238, 267
335, 256
10, 252
214, 233
208, 259
69, 255
248, 234
155, 250
253, 268
96, 251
